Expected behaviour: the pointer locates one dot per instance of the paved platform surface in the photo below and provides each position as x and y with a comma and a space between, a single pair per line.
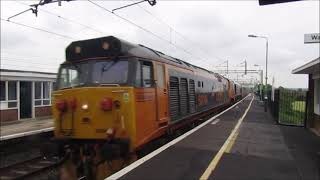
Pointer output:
261, 150
25, 127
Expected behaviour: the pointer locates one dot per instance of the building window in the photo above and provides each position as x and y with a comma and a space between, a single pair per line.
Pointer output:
8, 94
37, 90
46, 93
54, 86
37, 93
12, 94
2, 90
42, 91
12, 90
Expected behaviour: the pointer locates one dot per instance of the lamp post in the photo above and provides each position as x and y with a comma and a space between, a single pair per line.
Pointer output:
265, 88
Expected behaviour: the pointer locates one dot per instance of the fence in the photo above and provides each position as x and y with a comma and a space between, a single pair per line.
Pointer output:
288, 106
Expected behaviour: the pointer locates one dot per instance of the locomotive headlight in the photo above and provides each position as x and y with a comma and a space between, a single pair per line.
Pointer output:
77, 49
105, 45
85, 107
110, 131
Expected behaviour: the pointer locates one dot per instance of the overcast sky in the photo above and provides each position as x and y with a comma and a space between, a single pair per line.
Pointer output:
212, 32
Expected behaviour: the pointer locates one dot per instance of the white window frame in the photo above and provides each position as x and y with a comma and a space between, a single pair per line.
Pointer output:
4, 104
41, 91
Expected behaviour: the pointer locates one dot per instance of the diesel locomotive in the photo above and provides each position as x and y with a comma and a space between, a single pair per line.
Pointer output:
113, 97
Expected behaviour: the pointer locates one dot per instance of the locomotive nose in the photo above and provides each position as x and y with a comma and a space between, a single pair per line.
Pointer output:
93, 113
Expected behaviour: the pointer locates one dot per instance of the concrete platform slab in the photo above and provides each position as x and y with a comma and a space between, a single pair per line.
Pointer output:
244, 167
27, 127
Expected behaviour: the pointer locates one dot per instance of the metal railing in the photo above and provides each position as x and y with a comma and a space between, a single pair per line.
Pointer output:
288, 106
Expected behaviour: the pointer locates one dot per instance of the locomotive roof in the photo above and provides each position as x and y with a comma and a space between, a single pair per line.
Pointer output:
112, 46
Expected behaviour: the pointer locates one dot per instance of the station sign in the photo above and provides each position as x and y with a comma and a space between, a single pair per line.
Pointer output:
268, 2
312, 38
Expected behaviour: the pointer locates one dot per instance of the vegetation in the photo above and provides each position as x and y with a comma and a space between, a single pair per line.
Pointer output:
299, 106
292, 106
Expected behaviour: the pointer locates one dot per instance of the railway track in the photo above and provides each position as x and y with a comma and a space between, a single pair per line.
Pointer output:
22, 157
27, 168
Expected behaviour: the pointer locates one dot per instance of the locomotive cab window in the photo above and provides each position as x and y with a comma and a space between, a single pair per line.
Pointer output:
72, 75
160, 76
110, 72
144, 74
147, 79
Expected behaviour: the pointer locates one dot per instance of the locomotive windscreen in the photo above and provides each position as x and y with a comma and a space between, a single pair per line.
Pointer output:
95, 72
98, 47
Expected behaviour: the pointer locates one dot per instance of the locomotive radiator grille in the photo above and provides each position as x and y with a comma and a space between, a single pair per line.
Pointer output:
184, 96
174, 98
192, 96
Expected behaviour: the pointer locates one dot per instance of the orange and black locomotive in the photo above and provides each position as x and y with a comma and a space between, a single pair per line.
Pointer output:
113, 97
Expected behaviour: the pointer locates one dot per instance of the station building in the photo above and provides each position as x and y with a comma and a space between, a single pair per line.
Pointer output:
25, 94
312, 68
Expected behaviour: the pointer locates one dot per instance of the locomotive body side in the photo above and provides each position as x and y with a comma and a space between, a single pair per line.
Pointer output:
231, 91
194, 91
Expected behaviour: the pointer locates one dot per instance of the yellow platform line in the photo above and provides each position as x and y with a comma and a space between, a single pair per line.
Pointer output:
233, 140
225, 146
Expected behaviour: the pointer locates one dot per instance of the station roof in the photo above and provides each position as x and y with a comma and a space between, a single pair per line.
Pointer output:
312, 67
14, 75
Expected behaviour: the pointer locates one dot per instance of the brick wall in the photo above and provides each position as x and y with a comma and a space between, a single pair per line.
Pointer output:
42, 111
8, 115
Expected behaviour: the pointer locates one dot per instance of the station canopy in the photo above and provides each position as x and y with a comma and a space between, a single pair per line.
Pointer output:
312, 67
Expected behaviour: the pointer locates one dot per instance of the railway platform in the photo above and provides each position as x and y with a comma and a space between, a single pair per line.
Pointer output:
25, 128
242, 142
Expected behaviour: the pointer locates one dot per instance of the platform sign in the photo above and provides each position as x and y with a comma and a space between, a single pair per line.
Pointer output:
269, 2
312, 38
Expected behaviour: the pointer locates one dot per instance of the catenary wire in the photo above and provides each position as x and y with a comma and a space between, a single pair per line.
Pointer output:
128, 21
144, 29
65, 19
177, 32
39, 29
